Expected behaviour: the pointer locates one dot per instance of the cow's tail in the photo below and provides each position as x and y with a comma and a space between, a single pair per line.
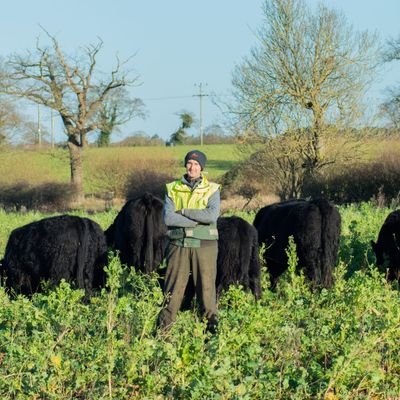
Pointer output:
330, 232
254, 267
249, 264
147, 200
148, 234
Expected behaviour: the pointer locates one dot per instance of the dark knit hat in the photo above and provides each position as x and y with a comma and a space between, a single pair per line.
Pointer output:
197, 156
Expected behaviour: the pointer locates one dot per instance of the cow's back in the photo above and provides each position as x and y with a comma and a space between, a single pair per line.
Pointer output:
315, 227
61, 247
318, 231
139, 233
238, 256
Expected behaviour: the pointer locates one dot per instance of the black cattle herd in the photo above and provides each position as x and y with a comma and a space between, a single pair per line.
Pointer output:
76, 248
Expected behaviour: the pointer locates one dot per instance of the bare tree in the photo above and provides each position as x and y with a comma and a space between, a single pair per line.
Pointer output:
392, 52
15, 126
278, 163
72, 86
29, 134
118, 109
9, 121
9, 116
391, 107
308, 72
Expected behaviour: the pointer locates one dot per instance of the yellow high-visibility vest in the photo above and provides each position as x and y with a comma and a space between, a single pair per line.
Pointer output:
184, 197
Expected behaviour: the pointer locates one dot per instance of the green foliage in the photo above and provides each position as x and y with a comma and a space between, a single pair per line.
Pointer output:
103, 139
294, 343
360, 224
108, 121
180, 135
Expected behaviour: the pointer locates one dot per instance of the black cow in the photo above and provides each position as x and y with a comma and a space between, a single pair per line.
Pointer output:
62, 247
238, 258
387, 248
139, 233
315, 227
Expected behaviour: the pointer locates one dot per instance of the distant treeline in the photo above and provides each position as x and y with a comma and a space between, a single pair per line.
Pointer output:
142, 139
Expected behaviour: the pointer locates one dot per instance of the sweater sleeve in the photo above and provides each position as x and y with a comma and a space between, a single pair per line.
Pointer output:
208, 215
171, 218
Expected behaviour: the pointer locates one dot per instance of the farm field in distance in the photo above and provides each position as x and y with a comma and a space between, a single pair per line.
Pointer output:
36, 166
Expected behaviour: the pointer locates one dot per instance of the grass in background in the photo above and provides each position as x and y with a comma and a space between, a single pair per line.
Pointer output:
37, 166
220, 157
34, 166
107, 168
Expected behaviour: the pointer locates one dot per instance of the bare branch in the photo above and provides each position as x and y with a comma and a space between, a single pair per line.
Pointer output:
308, 73
71, 86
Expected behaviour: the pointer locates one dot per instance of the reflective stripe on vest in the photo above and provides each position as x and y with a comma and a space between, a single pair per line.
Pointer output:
202, 232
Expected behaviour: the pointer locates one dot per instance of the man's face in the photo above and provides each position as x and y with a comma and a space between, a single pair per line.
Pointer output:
193, 169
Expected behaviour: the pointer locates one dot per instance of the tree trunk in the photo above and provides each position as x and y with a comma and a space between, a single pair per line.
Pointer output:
84, 141
75, 158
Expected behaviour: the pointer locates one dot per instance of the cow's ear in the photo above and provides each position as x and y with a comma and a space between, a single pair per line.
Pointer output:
374, 246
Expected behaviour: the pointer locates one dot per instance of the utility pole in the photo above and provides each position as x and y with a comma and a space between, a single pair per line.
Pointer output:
200, 96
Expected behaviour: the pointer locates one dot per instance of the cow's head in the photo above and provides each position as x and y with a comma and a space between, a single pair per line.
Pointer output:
388, 258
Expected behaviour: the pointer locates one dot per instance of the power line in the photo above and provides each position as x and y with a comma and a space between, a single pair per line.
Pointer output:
176, 97
167, 98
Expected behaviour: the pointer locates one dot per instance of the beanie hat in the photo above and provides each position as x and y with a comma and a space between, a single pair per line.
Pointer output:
197, 156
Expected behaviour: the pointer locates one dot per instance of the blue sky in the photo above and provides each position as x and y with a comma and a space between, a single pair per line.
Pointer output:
178, 44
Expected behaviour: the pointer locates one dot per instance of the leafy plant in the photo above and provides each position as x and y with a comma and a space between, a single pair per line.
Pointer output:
294, 343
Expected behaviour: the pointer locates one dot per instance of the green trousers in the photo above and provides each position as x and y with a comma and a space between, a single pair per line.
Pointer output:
201, 263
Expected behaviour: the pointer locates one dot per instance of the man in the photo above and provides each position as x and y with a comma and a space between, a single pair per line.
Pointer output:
191, 210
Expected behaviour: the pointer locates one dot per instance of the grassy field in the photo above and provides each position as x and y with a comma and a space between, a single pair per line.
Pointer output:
221, 158
294, 343
47, 165
38, 166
